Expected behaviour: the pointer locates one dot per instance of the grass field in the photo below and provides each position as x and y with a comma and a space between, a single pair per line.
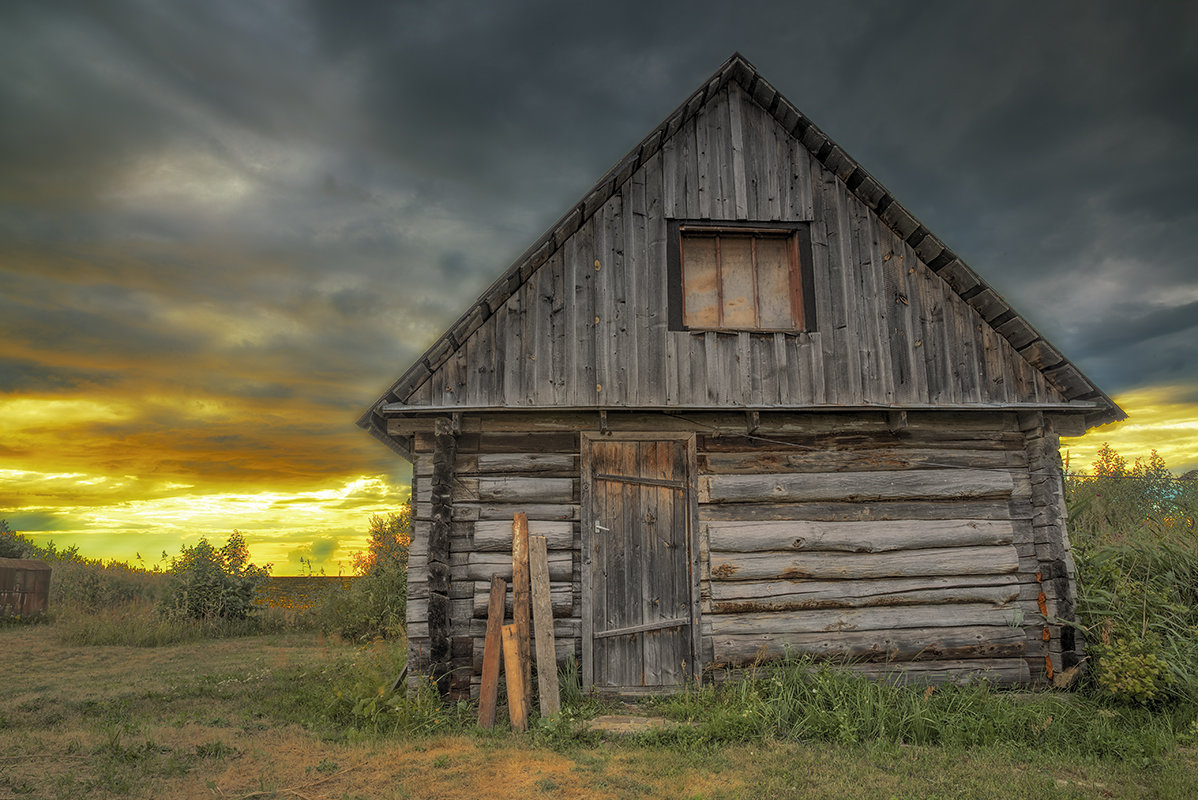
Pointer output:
267, 716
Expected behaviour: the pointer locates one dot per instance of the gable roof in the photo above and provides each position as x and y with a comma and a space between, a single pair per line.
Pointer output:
1061, 374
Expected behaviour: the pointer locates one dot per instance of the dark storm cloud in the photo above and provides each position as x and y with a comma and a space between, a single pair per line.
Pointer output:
289, 202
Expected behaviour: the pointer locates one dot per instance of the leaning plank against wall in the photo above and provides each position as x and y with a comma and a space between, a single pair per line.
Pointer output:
497, 474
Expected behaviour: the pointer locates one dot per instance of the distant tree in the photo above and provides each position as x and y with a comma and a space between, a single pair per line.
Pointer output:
1117, 500
207, 581
12, 545
375, 607
390, 537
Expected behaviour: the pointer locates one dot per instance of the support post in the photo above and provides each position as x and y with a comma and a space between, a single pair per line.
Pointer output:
440, 621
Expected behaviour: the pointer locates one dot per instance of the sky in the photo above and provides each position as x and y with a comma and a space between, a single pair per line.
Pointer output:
226, 227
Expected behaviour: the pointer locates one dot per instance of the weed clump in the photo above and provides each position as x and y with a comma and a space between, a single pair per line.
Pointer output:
208, 582
374, 605
1133, 534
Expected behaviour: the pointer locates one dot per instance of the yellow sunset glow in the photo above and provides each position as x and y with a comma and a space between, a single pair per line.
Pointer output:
122, 475
1158, 419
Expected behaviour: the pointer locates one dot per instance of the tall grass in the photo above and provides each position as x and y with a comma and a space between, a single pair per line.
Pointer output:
801, 700
1133, 532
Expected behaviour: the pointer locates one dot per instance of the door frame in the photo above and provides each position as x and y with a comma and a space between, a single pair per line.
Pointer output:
587, 521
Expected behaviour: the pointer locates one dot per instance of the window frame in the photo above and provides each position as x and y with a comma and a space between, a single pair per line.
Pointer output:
798, 235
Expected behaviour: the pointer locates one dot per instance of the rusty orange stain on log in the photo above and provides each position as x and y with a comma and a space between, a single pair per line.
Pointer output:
1042, 601
1048, 666
724, 571
1046, 635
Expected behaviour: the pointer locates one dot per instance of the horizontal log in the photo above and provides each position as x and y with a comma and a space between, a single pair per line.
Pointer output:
509, 463
481, 566
929, 484
998, 671
565, 464
847, 512
856, 537
561, 595
461, 490
908, 644
882, 458
496, 535
465, 512
546, 511
849, 566
525, 490
834, 621
878, 437
742, 596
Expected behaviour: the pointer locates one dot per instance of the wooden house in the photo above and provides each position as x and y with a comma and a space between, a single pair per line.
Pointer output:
757, 408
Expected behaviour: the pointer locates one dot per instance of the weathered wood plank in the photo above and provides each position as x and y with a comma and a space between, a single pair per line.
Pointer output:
736, 597
561, 599
526, 490
496, 535
844, 566
542, 618
480, 566
493, 644
907, 644
997, 671
929, 484
521, 597
856, 486
855, 537
846, 512
834, 621
864, 460
517, 689
508, 463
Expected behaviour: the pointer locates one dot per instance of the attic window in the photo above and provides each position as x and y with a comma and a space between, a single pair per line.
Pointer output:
738, 276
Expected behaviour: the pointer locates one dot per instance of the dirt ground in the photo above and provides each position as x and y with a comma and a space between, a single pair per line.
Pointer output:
212, 720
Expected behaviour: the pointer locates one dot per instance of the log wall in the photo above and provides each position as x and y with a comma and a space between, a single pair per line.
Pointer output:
931, 547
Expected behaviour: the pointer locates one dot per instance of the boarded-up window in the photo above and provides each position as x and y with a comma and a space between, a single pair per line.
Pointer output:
740, 279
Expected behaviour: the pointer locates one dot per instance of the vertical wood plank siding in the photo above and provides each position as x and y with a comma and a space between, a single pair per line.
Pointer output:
887, 329
926, 550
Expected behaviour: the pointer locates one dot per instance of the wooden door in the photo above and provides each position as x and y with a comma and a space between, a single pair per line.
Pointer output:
639, 616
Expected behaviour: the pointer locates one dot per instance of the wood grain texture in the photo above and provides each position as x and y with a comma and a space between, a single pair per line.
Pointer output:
856, 486
492, 651
887, 327
517, 687
856, 566
903, 645
542, 618
521, 596
855, 537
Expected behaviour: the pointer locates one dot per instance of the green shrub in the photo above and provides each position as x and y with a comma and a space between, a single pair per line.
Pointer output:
374, 606
1132, 530
207, 582
13, 545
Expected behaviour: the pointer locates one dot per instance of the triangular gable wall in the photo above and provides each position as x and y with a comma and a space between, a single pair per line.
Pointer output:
581, 320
